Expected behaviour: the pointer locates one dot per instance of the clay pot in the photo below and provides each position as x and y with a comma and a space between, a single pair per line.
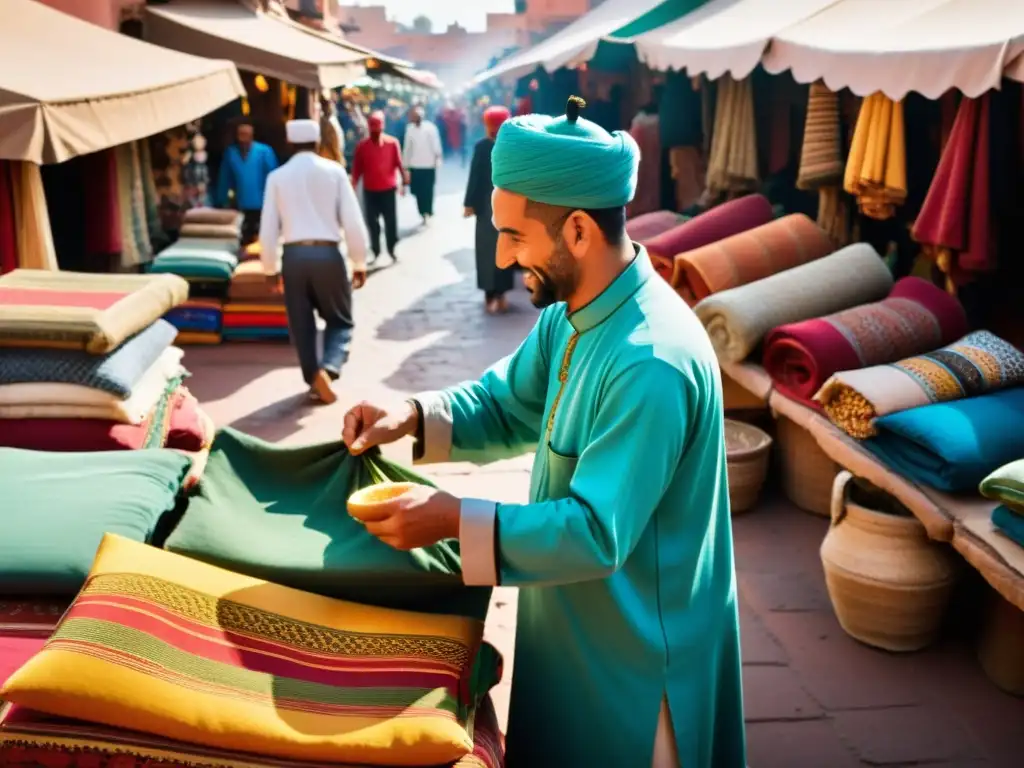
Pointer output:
888, 583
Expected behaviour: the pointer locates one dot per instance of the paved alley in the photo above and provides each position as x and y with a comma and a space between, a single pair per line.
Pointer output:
814, 697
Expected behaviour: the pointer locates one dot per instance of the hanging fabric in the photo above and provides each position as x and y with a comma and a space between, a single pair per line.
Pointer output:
102, 207
732, 166
876, 171
955, 224
821, 163
35, 238
8, 221
136, 248
151, 198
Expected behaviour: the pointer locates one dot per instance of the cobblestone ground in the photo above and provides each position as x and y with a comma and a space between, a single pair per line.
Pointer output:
814, 697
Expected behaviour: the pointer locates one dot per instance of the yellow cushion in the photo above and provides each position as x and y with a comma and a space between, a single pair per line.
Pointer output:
160, 643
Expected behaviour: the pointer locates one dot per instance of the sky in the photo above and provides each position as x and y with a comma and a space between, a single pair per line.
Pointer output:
472, 14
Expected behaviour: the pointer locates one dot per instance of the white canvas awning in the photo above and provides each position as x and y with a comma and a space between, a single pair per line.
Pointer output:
898, 46
722, 36
68, 87
575, 44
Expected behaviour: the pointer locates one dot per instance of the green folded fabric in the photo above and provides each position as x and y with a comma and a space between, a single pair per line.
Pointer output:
57, 506
279, 513
1006, 485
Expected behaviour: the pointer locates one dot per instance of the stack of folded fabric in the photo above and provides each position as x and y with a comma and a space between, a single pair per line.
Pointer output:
89, 366
254, 310
206, 253
205, 666
1006, 485
198, 321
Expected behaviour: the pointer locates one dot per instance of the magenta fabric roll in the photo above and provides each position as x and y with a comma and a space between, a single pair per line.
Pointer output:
648, 225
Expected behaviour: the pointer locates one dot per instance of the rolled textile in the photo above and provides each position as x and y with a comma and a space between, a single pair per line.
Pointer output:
1009, 523
748, 256
876, 169
648, 225
917, 317
737, 319
198, 338
70, 310
176, 422
42, 400
116, 372
722, 221
978, 363
952, 446
256, 320
204, 215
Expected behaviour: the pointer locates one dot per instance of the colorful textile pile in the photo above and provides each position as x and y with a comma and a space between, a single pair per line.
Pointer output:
752, 255
722, 221
254, 310
737, 319
917, 317
980, 362
271, 512
1006, 485
198, 321
190, 652
952, 446
70, 310
876, 169
955, 223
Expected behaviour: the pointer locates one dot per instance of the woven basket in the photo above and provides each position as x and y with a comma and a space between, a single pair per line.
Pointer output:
748, 451
807, 473
1000, 644
889, 585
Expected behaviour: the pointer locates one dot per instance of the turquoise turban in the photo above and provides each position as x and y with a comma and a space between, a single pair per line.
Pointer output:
565, 161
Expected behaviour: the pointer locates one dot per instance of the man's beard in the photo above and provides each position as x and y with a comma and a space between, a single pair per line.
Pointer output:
558, 280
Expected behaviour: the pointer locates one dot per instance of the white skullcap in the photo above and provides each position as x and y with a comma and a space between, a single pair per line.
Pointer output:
303, 131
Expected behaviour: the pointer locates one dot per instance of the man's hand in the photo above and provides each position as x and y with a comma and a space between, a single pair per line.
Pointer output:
467, 213
418, 518
274, 283
358, 278
407, 176
402, 190
368, 425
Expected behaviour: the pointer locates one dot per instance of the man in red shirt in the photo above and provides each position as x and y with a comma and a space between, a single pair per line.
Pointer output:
378, 162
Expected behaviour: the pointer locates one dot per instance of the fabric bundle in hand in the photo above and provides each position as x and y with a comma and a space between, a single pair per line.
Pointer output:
752, 255
279, 513
980, 362
737, 319
915, 318
952, 446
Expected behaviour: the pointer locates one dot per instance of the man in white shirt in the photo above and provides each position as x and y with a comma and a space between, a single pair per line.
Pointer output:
422, 157
309, 203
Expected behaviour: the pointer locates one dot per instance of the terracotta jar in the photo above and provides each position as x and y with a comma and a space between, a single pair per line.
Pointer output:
888, 583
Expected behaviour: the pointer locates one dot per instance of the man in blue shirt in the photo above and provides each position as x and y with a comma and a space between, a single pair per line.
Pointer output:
243, 171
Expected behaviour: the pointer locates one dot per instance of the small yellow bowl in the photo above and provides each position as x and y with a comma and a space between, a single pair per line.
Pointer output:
363, 504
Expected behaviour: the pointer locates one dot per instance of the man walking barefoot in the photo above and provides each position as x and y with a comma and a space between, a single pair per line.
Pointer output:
309, 202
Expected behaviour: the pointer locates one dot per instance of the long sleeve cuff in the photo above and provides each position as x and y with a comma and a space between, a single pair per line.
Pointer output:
434, 444
477, 542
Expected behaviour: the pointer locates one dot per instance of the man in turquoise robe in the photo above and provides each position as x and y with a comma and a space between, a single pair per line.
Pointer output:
627, 644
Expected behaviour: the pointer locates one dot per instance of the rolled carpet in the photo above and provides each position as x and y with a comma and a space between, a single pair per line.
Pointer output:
979, 363
737, 319
1009, 523
753, 255
716, 224
648, 225
915, 318
952, 446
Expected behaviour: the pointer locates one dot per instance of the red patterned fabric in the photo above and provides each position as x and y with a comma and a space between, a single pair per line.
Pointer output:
31, 616
915, 318
184, 428
725, 220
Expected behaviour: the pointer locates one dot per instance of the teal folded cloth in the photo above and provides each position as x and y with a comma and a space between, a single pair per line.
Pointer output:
211, 265
1009, 523
952, 446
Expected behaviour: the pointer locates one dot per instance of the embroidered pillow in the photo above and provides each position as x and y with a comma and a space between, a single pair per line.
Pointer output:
166, 645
